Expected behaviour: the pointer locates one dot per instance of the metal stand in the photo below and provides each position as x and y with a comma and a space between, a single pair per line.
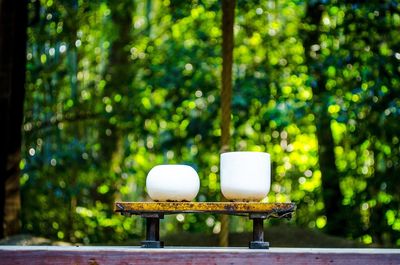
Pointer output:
258, 232
152, 231
154, 211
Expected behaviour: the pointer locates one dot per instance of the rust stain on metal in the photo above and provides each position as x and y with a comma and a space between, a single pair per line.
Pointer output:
273, 209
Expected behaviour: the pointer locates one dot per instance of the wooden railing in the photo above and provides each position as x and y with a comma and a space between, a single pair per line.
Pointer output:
134, 255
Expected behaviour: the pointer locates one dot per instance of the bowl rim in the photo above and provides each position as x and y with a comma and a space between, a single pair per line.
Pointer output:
245, 152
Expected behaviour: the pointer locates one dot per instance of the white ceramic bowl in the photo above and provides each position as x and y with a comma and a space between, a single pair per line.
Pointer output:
245, 176
172, 183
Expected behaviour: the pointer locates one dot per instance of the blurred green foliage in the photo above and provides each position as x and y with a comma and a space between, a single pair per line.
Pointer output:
117, 87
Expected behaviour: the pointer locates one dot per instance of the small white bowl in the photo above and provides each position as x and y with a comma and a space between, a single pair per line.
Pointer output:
172, 183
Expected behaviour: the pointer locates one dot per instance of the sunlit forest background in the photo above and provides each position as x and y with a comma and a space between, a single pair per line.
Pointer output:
116, 87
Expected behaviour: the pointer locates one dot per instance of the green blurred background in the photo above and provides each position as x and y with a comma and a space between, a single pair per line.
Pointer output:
116, 87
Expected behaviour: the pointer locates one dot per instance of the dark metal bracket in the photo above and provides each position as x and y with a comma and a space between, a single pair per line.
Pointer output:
258, 232
152, 230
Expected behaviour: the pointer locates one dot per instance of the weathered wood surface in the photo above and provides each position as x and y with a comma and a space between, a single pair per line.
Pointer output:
128, 255
278, 209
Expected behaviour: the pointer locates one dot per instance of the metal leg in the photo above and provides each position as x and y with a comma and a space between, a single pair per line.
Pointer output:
152, 231
258, 233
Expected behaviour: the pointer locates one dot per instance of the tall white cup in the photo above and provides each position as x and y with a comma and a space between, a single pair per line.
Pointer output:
245, 176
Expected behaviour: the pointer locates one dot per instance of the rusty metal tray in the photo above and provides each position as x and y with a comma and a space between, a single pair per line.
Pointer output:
154, 211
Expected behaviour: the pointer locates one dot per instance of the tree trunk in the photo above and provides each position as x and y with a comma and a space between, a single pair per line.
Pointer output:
228, 17
13, 23
119, 74
331, 193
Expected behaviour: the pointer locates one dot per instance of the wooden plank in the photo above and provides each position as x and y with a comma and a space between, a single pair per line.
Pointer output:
129, 255
277, 209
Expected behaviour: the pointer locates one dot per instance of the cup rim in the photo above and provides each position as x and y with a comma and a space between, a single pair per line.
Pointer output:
245, 152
